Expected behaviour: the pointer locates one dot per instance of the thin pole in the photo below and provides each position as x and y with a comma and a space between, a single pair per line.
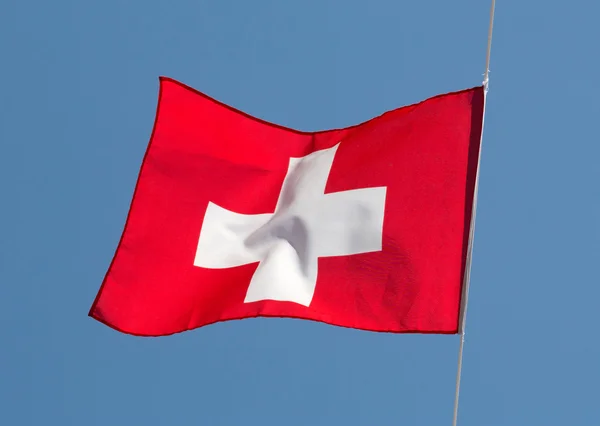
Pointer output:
465, 297
489, 47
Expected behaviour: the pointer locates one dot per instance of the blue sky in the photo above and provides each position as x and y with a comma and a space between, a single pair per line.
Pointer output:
78, 99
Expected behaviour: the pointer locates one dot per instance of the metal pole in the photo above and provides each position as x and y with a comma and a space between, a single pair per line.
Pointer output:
472, 230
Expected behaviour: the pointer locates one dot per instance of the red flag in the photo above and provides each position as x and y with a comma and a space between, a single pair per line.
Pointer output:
233, 217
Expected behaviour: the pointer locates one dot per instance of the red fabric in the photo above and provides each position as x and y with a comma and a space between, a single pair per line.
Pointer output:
200, 151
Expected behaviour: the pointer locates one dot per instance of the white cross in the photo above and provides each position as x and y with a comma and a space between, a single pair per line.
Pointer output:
307, 224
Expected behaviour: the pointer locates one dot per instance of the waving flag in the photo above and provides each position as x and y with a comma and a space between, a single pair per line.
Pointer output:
233, 217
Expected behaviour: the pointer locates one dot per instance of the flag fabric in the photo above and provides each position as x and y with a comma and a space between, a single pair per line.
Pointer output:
233, 217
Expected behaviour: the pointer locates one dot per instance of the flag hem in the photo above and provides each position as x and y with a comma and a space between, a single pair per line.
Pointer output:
477, 112
290, 317
164, 79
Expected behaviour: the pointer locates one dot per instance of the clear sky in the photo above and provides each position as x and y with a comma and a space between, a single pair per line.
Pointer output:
77, 105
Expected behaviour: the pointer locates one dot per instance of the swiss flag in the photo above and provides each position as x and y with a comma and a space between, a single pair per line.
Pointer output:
233, 217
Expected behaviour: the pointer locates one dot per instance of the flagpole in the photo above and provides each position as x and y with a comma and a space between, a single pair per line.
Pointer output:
463, 316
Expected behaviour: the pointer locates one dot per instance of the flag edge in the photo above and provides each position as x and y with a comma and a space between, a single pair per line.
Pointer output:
164, 79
